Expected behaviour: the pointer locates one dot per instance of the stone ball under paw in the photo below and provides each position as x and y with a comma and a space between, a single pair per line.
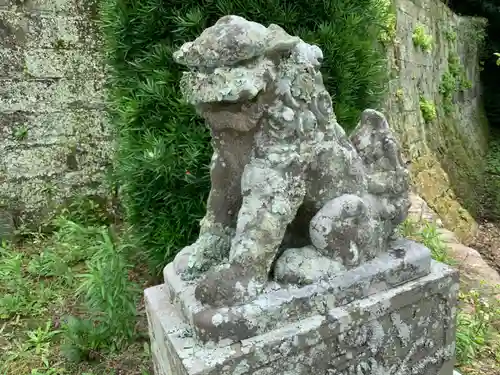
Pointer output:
337, 229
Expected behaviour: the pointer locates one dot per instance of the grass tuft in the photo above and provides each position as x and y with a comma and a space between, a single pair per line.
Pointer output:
69, 300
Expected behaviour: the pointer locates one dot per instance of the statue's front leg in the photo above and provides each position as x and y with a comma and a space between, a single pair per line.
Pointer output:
224, 201
271, 198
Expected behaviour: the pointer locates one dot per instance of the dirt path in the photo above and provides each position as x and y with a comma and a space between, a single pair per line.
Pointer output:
487, 243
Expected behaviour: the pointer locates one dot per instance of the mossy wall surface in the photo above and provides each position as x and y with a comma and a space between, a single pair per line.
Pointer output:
435, 106
55, 139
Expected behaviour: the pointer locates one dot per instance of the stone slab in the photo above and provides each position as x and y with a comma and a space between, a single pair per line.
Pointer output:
56, 127
280, 305
50, 95
409, 329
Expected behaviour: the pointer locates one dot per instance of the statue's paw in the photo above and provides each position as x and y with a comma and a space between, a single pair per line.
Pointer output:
190, 264
227, 285
181, 260
392, 158
208, 251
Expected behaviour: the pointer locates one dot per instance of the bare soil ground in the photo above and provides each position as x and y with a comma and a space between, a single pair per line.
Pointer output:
487, 243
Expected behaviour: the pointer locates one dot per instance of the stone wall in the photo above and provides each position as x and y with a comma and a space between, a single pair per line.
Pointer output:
435, 67
55, 141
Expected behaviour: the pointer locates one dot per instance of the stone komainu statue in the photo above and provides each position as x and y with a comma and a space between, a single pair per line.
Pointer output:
292, 197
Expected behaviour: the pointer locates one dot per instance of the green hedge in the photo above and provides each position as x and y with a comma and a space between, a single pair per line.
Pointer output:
160, 138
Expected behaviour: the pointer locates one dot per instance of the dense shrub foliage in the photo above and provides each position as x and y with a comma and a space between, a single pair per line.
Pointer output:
163, 147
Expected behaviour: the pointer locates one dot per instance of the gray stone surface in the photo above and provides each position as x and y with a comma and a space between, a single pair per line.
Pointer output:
56, 141
409, 329
283, 303
284, 174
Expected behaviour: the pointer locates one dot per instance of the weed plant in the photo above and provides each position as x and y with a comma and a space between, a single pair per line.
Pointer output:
81, 277
108, 296
453, 80
421, 39
428, 110
478, 333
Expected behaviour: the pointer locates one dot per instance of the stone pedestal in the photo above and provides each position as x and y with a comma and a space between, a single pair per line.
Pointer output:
394, 315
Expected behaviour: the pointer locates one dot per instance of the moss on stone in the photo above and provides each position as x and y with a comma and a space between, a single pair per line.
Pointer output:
400, 94
55, 97
388, 17
428, 110
472, 33
20, 133
433, 185
421, 39
450, 35
452, 81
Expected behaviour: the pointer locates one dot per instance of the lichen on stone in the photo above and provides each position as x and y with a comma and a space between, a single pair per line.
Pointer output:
52, 97
283, 173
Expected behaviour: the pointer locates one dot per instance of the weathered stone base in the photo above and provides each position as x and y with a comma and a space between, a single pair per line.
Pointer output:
409, 329
282, 304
